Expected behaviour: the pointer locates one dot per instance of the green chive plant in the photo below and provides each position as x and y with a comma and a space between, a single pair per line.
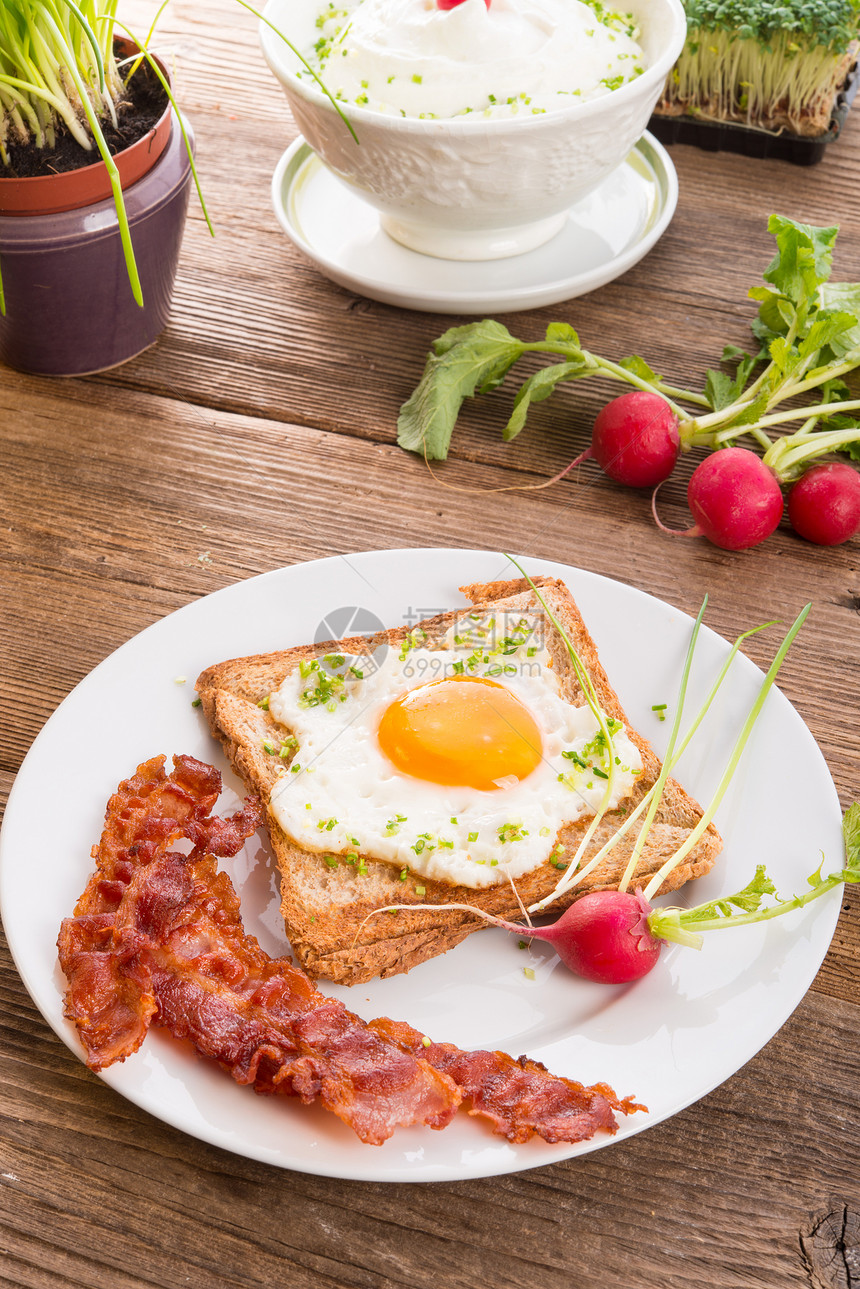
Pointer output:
771, 64
59, 73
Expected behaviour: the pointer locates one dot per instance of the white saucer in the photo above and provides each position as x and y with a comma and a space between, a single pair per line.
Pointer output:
604, 235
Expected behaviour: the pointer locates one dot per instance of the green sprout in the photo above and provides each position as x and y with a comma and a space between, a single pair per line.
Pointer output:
767, 63
59, 74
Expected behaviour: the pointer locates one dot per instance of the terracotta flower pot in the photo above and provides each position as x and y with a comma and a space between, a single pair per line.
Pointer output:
71, 189
69, 305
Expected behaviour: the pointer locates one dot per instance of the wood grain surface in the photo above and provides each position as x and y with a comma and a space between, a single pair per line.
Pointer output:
260, 431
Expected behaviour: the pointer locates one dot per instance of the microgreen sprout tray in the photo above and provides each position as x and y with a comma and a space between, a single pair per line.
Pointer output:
728, 136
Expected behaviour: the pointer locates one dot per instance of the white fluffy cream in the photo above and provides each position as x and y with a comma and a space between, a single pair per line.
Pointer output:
517, 57
341, 796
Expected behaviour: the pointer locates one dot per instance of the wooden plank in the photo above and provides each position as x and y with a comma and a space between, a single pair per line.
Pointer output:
324, 357
198, 502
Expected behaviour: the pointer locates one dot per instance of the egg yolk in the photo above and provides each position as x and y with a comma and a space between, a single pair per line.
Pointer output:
464, 731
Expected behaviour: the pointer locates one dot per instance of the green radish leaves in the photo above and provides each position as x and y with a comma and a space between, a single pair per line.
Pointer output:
537, 388
851, 833
475, 359
464, 361
803, 259
808, 330
752, 904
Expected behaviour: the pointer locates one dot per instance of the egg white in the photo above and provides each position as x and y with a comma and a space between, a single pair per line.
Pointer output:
341, 796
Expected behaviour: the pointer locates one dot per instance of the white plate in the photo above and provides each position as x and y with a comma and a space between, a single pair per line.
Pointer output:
668, 1039
605, 234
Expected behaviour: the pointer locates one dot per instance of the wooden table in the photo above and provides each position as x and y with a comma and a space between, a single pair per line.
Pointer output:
260, 431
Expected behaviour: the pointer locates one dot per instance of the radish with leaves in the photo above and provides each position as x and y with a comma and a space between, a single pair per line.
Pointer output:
615, 937
808, 333
635, 439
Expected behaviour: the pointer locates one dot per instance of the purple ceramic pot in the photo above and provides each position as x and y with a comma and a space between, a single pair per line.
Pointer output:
69, 306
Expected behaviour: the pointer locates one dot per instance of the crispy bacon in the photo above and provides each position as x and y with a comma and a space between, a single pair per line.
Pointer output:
170, 947
157, 937
110, 992
261, 1018
110, 996
149, 812
519, 1097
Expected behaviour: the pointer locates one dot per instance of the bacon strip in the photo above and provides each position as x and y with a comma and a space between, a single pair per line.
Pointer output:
157, 937
174, 950
261, 1018
520, 1098
110, 994
147, 814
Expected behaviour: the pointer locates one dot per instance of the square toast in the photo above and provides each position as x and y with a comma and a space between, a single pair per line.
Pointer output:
326, 909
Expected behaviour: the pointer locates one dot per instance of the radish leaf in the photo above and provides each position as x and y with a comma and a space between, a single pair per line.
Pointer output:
808, 329
538, 387
465, 360
683, 925
803, 259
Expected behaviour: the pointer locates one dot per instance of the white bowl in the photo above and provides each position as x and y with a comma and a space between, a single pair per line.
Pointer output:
470, 188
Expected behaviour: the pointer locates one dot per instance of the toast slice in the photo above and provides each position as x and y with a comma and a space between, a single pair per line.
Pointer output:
325, 906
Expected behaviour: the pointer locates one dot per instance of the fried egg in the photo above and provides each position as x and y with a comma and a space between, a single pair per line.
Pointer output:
460, 762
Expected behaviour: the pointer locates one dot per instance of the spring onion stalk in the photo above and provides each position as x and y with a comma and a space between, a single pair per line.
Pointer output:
766, 686
638, 810
650, 802
590, 695
667, 760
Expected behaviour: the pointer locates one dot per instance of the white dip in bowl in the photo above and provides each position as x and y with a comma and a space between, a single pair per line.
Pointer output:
457, 168
411, 58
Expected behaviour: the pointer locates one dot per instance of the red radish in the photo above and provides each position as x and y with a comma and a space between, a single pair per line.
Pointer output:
824, 504
635, 439
735, 499
603, 936
453, 4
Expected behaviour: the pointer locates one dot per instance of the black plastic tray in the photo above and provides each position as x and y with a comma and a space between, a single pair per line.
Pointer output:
727, 136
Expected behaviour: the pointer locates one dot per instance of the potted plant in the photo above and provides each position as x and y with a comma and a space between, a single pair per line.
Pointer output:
88, 256
95, 166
